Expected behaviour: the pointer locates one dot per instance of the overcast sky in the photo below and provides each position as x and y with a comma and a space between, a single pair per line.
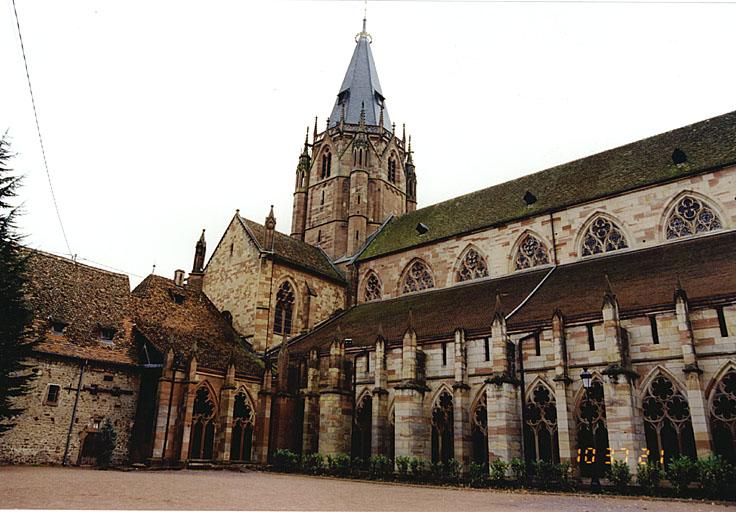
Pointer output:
160, 118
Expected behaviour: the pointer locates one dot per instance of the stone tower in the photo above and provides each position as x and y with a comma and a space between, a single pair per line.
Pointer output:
359, 172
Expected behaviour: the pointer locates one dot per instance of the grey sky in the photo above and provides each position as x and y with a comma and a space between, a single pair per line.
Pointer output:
161, 118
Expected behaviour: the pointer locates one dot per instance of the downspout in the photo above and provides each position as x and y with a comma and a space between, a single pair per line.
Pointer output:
522, 384
174, 367
74, 414
554, 241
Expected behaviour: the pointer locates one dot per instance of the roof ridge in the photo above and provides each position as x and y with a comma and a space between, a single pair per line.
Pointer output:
65, 259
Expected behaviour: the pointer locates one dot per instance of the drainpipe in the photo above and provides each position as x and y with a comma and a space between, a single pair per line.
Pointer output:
74, 414
554, 242
522, 384
174, 367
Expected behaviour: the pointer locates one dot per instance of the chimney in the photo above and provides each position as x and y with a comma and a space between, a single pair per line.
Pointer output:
179, 277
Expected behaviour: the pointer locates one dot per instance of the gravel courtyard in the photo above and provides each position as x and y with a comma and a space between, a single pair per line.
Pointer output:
47, 487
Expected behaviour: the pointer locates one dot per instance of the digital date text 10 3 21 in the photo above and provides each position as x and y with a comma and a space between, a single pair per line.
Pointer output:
590, 456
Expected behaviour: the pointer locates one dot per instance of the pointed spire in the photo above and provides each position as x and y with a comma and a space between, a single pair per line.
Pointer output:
380, 121
498, 309
305, 151
403, 133
270, 228
679, 290
380, 331
314, 132
199, 253
409, 157
362, 116
608, 296
410, 320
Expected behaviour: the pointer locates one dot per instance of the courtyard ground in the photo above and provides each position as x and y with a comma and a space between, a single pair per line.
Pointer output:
55, 487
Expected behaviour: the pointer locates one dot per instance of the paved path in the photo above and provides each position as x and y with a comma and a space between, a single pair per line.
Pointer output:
48, 487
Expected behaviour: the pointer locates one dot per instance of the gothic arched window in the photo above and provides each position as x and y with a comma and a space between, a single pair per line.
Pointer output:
392, 169
442, 428
362, 428
531, 253
667, 425
372, 287
479, 430
284, 309
723, 416
541, 425
472, 266
417, 277
202, 440
601, 236
691, 216
242, 432
592, 431
326, 163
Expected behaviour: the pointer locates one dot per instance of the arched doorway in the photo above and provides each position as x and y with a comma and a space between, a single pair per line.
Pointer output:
242, 431
202, 439
362, 427
442, 428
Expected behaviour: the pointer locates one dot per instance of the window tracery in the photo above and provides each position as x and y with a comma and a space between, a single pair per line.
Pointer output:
326, 163
603, 236
592, 431
472, 266
531, 253
417, 278
479, 430
372, 288
667, 424
541, 425
442, 428
723, 416
690, 217
242, 428
362, 429
392, 170
203, 425
284, 309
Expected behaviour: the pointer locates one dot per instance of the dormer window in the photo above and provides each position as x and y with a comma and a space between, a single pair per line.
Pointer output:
177, 297
107, 334
58, 327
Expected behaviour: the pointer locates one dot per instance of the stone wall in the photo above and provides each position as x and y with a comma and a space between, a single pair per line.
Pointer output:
40, 432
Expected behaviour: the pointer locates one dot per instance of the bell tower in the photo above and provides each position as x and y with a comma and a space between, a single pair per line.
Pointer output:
359, 171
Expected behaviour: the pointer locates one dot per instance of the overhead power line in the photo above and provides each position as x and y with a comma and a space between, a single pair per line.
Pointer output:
38, 130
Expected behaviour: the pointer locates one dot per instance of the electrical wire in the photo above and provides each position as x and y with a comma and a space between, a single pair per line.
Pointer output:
38, 130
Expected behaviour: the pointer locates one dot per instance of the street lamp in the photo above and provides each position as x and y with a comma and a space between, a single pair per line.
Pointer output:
587, 378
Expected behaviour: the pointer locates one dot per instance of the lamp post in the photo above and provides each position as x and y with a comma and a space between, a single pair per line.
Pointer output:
587, 378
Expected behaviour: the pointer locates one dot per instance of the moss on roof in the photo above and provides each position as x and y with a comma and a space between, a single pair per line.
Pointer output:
707, 144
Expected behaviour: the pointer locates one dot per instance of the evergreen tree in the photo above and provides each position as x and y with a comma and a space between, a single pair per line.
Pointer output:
108, 440
16, 342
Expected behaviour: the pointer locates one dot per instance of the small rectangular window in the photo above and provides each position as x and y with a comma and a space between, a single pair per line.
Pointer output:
444, 354
537, 344
368, 362
722, 322
655, 332
487, 347
57, 327
107, 378
52, 394
591, 337
107, 334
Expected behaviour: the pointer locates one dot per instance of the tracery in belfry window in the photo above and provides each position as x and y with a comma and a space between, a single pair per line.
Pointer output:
667, 424
531, 253
442, 428
592, 430
603, 235
201, 443
242, 428
284, 309
472, 266
691, 216
372, 287
417, 277
723, 416
326, 163
479, 430
541, 425
392, 169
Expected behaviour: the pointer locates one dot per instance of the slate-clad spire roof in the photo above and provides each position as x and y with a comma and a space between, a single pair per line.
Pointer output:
360, 88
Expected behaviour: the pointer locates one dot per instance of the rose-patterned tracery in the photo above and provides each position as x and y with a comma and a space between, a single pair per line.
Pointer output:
690, 217
372, 287
667, 422
242, 431
541, 425
442, 428
202, 439
531, 253
417, 277
723, 416
603, 236
472, 266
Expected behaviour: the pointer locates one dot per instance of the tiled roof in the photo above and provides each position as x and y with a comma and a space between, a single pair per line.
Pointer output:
707, 144
641, 280
86, 299
296, 252
164, 322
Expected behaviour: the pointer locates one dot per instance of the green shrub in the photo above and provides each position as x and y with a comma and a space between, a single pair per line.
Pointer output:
477, 473
338, 464
620, 475
452, 470
380, 467
402, 465
680, 472
356, 466
544, 472
518, 469
312, 463
712, 474
285, 460
437, 470
417, 468
648, 476
108, 439
563, 474
498, 469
